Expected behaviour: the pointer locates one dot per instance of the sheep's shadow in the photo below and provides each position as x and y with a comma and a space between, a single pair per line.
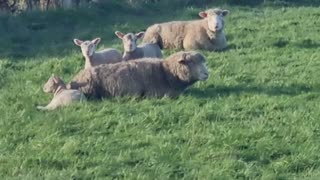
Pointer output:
220, 91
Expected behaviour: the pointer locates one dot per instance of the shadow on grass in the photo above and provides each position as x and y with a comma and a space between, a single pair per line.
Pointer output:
218, 91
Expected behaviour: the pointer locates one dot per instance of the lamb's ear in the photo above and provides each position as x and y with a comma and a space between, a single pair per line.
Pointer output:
140, 34
203, 14
119, 34
55, 79
77, 42
96, 41
225, 12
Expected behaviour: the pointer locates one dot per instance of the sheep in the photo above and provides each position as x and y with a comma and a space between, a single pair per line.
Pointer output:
146, 77
93, 58
62, 96
132, 51
205, 34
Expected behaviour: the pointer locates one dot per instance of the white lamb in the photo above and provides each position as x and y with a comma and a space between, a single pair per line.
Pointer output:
134, 51
61, 95
92, 58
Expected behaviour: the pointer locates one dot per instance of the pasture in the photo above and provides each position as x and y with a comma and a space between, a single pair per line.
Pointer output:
256, 117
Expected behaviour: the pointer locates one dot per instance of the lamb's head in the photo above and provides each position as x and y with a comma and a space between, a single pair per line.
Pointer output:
52, 84
189, 66
215, 18
87, 47
129, 40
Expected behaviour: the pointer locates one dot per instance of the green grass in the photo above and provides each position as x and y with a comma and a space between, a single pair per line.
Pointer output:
257, 116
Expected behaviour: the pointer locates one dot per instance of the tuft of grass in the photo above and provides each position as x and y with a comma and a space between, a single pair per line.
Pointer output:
257, 116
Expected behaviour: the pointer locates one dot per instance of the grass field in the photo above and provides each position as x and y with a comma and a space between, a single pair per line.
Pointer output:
257, 116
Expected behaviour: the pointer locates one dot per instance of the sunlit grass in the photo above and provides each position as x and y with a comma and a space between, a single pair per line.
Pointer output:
256, 117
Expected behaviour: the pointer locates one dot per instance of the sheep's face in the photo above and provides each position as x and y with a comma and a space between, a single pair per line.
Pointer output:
196, 65
129, 40
87, 47
51, 85
215, 18
198, 69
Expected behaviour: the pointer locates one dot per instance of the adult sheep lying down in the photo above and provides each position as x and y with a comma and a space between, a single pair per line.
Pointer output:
206, 34
144, 77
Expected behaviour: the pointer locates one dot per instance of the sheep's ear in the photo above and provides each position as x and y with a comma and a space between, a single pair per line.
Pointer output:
96, 41
203, 14
225, 12
140, 34
77, 42
119, 34
183, 59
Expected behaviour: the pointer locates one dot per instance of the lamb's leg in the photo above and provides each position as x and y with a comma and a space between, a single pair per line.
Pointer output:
49, 107
43, 108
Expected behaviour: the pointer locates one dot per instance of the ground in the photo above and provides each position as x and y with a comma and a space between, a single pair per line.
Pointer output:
257, 116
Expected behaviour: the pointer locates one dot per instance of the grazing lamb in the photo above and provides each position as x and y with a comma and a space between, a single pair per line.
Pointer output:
132, 51
93, 58
206, 34
62, 96
150, 77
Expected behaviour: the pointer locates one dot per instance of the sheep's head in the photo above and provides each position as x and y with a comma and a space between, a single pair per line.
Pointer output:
52, 84
129, 40
87, 47
215, 18
190, 65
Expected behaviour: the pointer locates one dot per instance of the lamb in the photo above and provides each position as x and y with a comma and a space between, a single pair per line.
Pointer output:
93, 58
62, 96
132, 51
146, 77
205, 34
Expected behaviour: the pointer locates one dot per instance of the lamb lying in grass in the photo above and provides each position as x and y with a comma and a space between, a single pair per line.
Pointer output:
133, 51
206, 34
93, 58
61, 95
149, 77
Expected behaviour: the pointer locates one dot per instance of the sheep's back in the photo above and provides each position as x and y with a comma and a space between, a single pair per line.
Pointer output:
106, 56
151, 50
67, 97
137, 77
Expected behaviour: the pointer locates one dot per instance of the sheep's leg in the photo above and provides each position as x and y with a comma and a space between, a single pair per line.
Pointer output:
190, 44
50, 106
42, 108
209, 47
219, 43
